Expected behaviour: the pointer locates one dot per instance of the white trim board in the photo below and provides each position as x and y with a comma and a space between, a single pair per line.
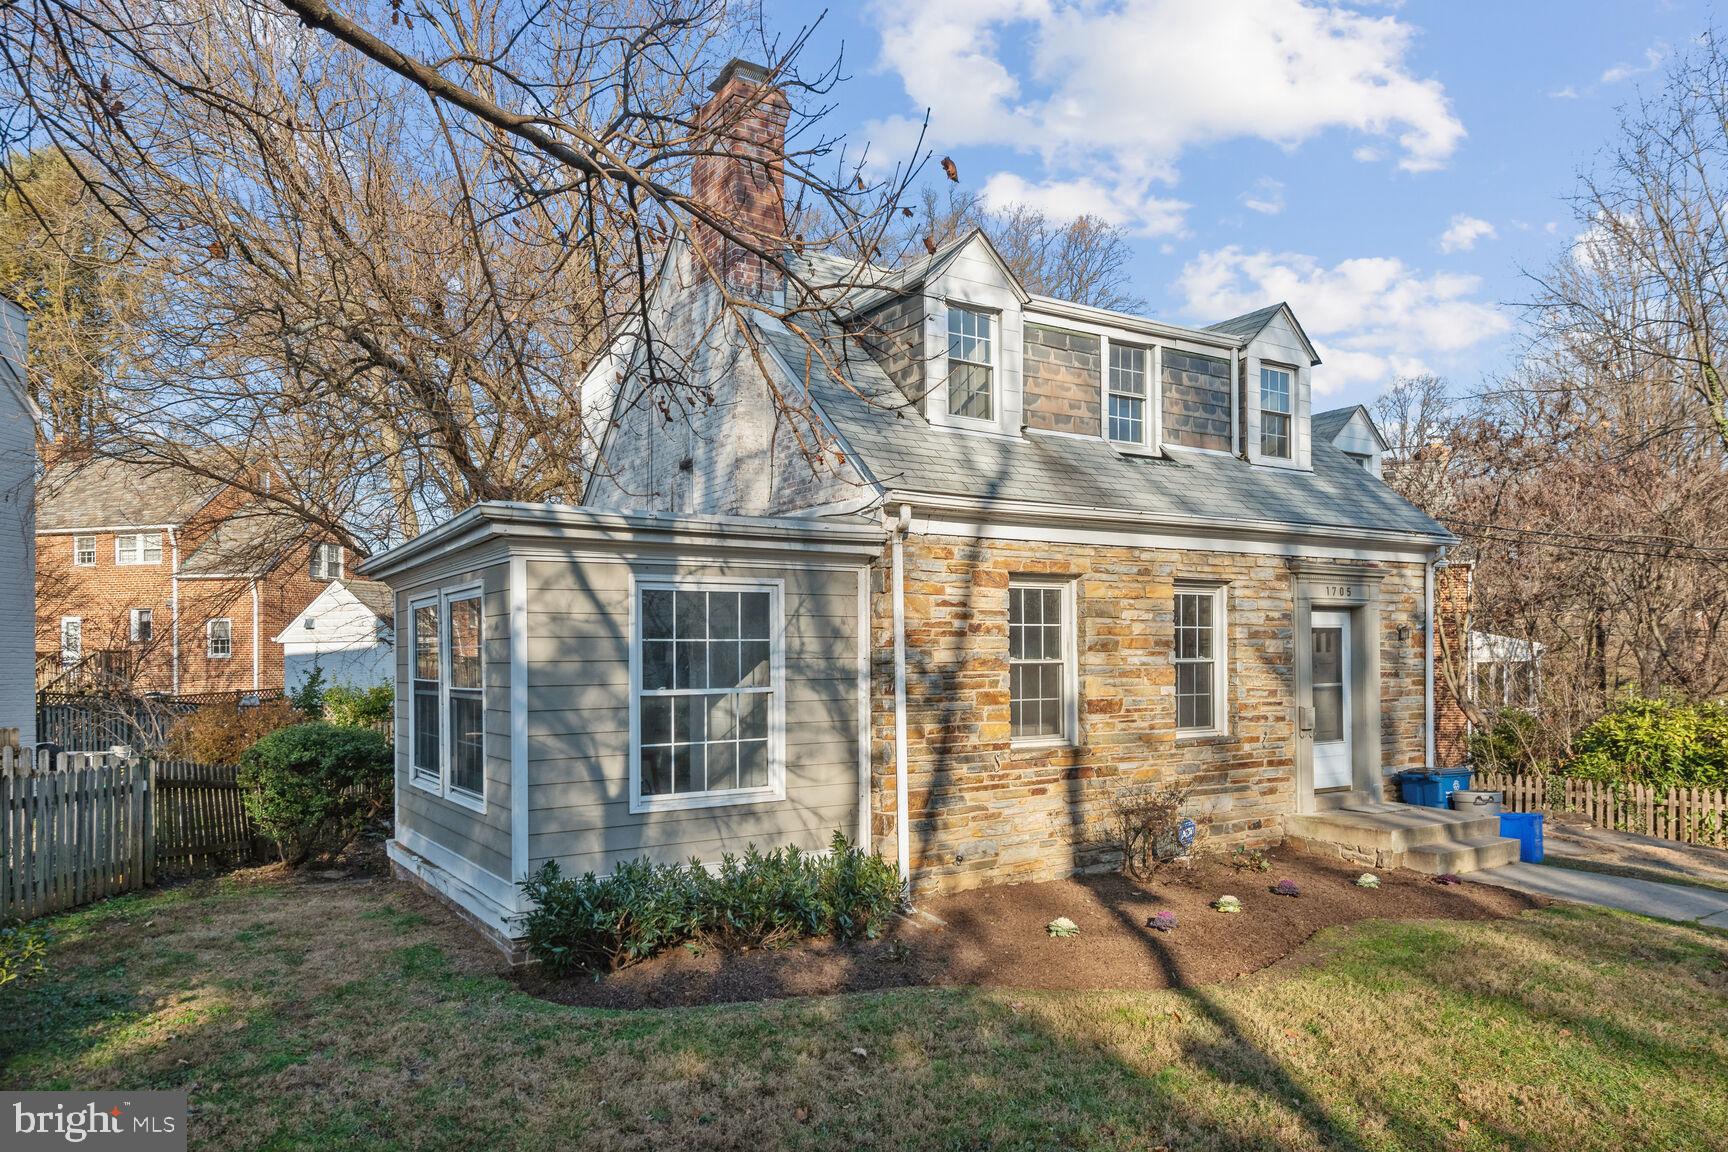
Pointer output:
1246, 545
491, 900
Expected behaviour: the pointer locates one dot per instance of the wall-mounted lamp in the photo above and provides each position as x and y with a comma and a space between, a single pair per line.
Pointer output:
1403, 633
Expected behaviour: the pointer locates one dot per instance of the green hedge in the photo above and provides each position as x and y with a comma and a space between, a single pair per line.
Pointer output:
312, 787
1667, 743
603, 923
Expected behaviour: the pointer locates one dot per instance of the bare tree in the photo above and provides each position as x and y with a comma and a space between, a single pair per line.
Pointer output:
392, 236
1417, 416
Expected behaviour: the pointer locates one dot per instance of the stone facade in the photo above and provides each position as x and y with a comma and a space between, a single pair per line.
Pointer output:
1062, 381
982, 810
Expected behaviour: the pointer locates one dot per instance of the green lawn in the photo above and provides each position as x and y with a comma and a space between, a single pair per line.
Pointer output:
360, 1015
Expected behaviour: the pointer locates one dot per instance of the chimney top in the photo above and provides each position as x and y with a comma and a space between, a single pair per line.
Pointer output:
743, 70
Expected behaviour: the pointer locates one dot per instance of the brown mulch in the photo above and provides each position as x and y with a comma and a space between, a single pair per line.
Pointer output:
995, 937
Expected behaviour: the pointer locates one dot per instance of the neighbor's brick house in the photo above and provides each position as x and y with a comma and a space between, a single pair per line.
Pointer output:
162, 580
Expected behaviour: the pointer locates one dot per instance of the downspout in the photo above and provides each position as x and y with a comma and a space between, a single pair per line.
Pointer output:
1436, 560
255, 638
903, 842
174, 612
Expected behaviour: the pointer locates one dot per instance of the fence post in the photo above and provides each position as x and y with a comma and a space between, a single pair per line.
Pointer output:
150, 821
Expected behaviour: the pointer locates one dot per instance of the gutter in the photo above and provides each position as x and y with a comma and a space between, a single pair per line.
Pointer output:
255, 630
903, 842
1436, 562
174, 610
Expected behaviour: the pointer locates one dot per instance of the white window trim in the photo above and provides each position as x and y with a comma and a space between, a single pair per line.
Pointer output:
1295, 376
776, 789
442, 786
137, 539
79, 621
997, 393
1152, 427
1069, 737
135, 615
1220, 657
324, 568
77, 563
446, 738
428, 784
210, 639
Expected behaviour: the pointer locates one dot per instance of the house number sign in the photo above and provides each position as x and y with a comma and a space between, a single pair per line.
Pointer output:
1344, 590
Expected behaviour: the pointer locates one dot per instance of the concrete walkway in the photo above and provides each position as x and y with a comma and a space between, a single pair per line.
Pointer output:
1645, 897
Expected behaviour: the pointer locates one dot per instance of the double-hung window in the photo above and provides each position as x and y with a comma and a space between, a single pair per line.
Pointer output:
84, 551
1128, 375
447, 697
1041, 662
708, 694
326, 562
219, 638
1275, 412
1200, 660
971, 393
71, 639
143, 625
138, 548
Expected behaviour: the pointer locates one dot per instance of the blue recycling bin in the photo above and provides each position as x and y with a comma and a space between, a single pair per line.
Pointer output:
1526, 828
1431, 789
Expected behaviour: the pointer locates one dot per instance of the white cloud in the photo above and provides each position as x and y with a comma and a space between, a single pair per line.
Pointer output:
1127, 87
1461, 235
1373, 318
1124, 204
1367, 154
1653, 57
1567, 93
1266, 197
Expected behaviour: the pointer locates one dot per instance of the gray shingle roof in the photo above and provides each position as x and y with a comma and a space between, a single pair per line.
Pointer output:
250, 542
899, 449
1328, 424
101, 492
375, 595
1247, 325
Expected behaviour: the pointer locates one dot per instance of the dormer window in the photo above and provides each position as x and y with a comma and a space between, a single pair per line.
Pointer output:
971, 391
1275, 411
1126, 418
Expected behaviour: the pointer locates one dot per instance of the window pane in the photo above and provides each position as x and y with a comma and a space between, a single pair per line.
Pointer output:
1275, 435
753, 617
692, 615
656, 664
722, 663
467, 743
753, 716
1274, 390
723, 717
753, 764
687, 768
426, 730
656, 771
1194, 695
722, 764
969, 391
723, 615
1328, 712
753, 664
690, 664
657, 613
657, 720
1127, 419
426, 642
465, 643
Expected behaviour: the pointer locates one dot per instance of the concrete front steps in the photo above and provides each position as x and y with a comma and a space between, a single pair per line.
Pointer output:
1385, 835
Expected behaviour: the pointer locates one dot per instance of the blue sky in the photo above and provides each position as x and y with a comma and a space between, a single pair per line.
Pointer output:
1389, 168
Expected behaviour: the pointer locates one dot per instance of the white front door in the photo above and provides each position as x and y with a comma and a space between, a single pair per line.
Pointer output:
1329, 673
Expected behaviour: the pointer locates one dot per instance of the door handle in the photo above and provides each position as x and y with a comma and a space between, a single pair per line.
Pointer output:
1305, 719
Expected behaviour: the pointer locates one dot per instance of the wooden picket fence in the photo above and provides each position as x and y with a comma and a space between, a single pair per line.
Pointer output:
1690, 815
79, 827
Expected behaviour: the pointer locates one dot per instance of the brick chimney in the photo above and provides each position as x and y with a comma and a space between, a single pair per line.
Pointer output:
742, 179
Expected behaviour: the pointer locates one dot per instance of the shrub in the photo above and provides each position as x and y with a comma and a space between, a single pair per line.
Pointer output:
1148, 822
309, 697
23, 953
312, 787
1246, 859
1513, 743
352, 707
603, 923
1666, 743
219, 733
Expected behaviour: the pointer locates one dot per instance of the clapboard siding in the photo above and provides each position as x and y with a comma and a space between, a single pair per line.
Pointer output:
578, 648
480, 837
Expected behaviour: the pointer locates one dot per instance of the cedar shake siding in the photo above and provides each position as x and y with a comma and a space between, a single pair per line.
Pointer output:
984, 810
1063, 386
1196, 401
893, 334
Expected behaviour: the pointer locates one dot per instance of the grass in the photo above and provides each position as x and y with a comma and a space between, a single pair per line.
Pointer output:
360, 1015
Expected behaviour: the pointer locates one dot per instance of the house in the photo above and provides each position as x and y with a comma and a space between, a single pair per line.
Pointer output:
20, 420
1046, 551
346, 633
158, 579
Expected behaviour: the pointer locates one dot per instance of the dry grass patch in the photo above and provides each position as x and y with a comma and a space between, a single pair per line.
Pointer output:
359, 1014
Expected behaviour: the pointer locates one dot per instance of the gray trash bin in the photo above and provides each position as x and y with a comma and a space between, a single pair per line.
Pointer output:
1478, 803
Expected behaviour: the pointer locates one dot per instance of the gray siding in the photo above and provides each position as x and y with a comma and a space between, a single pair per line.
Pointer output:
17, 532
579, 720
482, 838
1063, 382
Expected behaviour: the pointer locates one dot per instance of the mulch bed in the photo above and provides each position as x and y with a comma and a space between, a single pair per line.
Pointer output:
994, 937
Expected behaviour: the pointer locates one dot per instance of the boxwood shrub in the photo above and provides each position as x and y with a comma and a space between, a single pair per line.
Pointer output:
1668, 743
312, 787
598, 924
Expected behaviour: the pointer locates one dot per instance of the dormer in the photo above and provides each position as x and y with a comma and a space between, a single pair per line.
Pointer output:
1353, 431
1275, 386
973, 336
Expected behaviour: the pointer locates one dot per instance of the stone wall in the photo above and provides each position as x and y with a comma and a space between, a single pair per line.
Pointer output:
1062, 381
983, 811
